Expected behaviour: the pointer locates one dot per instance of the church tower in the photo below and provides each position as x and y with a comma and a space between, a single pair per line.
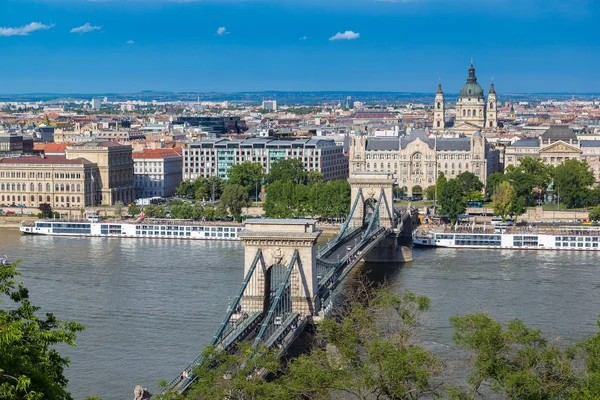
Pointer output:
439, 110
491, 118
470, 106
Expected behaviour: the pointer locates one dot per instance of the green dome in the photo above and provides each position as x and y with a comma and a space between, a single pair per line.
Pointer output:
472, 88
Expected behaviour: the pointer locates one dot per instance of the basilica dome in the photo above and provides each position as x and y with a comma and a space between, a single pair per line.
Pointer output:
471, 89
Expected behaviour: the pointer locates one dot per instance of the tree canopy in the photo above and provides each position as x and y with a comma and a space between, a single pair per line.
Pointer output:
248, 175
235, 197
451, 200
290, 169
502, 199
572, 179
30, 366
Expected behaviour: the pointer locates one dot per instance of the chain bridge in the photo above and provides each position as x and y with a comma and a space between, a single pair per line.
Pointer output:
288, 281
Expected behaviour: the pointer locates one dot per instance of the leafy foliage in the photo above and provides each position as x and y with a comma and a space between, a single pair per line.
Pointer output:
291, 169
516, 361
287, 200
133, 210
572, 179
451, 200
201, 189
30, 366
595, 214
154, 211
469, 183
430, 192
502, 199
45, 210
235, 197
248, 175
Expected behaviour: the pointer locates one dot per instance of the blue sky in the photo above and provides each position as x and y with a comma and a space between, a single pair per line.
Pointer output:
255, 45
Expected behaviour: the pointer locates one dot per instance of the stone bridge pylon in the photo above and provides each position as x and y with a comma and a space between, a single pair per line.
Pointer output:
281, 242
367, 186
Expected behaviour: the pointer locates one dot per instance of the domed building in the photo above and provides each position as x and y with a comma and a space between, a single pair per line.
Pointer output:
473, 112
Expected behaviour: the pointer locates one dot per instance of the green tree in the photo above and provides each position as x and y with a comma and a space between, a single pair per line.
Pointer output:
430, 192
45, 210
209, 212
247, 174
30, 366
516, 361
572, 179
280, 199
183, 210
186, 189
417, 189
133, 210
451, 200
493, 181
469, 182
476, 196
291, 169
313, 177
502, 199
595, 214
200, 189
214, 186
118, 209
517, 207
539, 169
198, 212
221, 212
235, 197
439, 185
154, 211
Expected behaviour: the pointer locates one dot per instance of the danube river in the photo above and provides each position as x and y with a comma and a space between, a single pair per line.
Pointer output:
150, 305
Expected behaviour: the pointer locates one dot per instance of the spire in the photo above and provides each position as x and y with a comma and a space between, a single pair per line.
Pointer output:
472, 78
492, 88
439, 89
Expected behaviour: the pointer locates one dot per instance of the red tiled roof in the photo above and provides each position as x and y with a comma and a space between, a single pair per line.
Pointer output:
51, 147
157, 153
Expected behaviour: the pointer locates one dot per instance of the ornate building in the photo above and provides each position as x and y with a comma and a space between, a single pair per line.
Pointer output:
473, 112
416, 160
557, 144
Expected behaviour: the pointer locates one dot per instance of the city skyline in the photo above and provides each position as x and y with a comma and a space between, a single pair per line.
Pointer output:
71, 46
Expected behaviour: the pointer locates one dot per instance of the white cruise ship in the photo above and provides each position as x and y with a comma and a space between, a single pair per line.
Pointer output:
559, 239
148, 228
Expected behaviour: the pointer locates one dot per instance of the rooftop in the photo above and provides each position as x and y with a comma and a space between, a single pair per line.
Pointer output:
46, 160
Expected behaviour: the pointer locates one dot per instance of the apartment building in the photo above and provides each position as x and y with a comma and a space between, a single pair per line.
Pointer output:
157, 172
214, 157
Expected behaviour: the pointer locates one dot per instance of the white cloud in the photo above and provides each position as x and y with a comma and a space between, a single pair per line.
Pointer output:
303, 38
348, 35
24, 30
130, 42
222, 31
85, 28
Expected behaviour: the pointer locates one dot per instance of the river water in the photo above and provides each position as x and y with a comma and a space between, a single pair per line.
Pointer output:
150, 305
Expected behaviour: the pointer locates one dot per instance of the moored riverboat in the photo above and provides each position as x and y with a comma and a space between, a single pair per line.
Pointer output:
575, 239
146, 228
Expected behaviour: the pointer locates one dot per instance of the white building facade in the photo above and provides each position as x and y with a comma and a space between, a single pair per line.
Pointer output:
157, 173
